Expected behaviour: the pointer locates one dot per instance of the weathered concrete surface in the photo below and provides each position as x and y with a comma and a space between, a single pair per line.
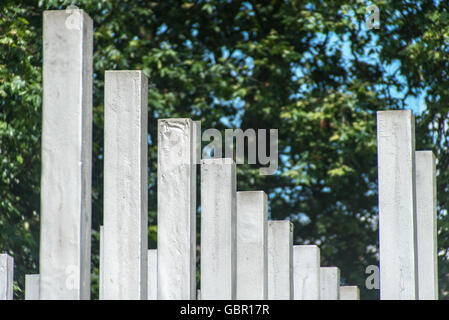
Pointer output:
306, 272
32, 287
6, 277
101, 275
196, 142
349, 293
66, 156
125, 186
152, 274
252, 254
330, 283
176, 237
397, 206
280, 260
218, 229
426, 201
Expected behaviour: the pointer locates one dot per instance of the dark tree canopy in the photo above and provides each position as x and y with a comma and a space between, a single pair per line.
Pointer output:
308, 68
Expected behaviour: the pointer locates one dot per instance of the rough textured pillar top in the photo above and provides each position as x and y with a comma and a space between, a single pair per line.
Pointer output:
252, 254
426, 210
66, 156
176, 203
397, 218
306, 272
280, 260
218, 229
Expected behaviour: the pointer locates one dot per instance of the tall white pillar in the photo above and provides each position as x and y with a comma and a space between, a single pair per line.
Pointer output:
32, 287
330, 283
306, 272
125, 186
176, 194
252, 254
6, 277
218, 229
66, 156
152, 274
426, 211
397, 205
280, 260
349, 293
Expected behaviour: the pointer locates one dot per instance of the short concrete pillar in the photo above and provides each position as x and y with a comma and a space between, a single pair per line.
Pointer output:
330, 283
176, 194
32, 287
306, 272
101, 268
349, 293
6, 276
218, 229
397, 205
125, 186
280, 260
426, 202
152, 274
252, 254
66, 156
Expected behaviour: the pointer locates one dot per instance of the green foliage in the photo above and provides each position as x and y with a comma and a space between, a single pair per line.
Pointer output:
309, 68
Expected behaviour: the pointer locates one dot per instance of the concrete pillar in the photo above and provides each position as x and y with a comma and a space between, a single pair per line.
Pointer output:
196, 137
176, 194
306, 272
101, 271
66, 156
252, 254
280, 260
6, 277
426, 212
349, 293
330, 283
125, 186
32, 287
218, 229
397, 205
152, 274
